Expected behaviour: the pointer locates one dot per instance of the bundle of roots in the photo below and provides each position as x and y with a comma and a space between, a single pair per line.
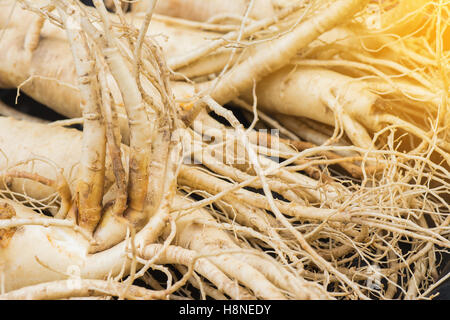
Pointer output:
299, 151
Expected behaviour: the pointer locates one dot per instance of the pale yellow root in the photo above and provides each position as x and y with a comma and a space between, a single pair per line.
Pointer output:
212, 241
61, 251
202, 11
328, 97
89, 189
141, 123
80, 288
273, 55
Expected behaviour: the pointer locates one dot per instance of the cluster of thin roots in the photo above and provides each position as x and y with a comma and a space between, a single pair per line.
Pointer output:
314, 215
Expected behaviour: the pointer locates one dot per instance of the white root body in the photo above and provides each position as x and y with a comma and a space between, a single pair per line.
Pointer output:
62, 254
63, 250
257, 216
37, 144
272, 55
325, 96
47, 73
204, 10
